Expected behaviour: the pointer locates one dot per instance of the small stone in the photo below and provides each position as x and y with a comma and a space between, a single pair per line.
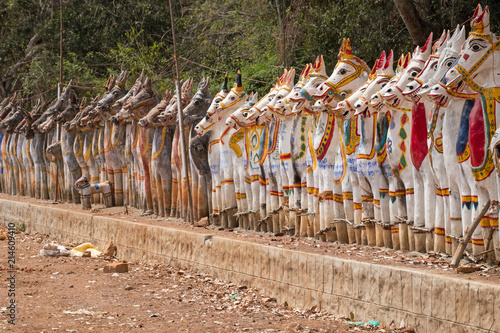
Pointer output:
116, 267
269, 299
127, 287
204, 222
154, 315
71, 286
468, 269
86, 254
70, 272
109, 250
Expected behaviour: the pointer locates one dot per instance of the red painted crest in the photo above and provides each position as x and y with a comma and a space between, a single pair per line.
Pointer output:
418, 143
477, 134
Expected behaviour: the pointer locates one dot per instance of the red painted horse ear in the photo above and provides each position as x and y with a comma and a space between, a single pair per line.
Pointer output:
481, 24
389, 60
342, 48
374, 69
407, 60
477, 12
427, 43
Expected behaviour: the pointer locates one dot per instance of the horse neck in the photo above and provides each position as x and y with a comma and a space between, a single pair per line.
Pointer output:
326, 126
367, 131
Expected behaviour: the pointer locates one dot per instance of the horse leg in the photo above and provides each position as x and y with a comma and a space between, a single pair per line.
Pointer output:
175, 191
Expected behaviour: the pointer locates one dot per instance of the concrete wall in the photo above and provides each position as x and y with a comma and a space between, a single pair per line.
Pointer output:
429, 302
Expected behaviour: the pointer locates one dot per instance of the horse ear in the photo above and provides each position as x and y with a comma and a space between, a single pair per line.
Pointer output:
187, 88
238, 85
167, 95
481, 24
426, 49
381, 61
407, 60
290, 78
72, 97
148, 85
96, 99
83, 103
341, 50
305, 72
224, 84
110, 83
122, 79
478, 11
203, 85
255, 98
389, 63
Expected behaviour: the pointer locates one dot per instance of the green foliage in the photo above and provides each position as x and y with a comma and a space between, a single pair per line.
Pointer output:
260, 37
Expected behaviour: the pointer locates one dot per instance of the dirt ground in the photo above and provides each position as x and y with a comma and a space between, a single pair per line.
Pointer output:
73, 294
70, 294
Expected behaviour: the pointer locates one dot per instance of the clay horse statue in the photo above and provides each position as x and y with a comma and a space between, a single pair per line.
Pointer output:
87, 190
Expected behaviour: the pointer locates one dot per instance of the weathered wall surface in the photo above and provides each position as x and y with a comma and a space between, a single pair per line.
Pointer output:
430, 302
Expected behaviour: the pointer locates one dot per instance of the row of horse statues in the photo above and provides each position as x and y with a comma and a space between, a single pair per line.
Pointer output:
402, 155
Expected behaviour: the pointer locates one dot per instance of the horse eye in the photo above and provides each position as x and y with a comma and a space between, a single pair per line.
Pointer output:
207, 117
342, 71
245, 114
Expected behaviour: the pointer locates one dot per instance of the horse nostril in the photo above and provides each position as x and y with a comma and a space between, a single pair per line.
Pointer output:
425, 86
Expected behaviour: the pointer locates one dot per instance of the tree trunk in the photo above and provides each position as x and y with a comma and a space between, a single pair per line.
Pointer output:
419, 29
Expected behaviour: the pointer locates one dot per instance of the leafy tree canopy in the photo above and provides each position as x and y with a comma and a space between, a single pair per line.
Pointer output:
260, 37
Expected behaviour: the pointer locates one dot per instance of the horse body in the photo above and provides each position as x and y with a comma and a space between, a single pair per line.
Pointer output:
212, 126
478, 67
349, 73
421, 189
215, 121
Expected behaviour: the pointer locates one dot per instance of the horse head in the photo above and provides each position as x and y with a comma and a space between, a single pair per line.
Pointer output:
284, 86
235, 98
237, 119
284, 106
115, 89
447, 58
304, 98
169, 115
70, 110
380, 76
208, 119
350, 72
261, 110
139, 105
118, 104
60, 104
429, 71
476, 66
151, 118
199, 104
412, 68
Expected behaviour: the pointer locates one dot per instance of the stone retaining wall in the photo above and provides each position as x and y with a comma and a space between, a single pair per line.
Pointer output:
429, 302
